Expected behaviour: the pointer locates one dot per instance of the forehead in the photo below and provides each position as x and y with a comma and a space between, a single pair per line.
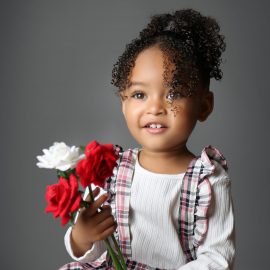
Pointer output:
151, 65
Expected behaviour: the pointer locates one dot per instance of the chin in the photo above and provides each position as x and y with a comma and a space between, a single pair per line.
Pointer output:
154, 148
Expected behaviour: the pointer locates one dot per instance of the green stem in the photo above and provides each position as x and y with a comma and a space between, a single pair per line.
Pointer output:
119, 253
91, 193
116, 263
85, 204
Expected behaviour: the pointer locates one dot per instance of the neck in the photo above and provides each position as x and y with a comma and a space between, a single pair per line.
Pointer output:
173, 161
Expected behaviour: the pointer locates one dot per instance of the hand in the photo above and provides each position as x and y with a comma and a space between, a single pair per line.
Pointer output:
92, 225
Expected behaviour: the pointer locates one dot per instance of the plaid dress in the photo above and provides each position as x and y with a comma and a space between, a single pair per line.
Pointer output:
195, 198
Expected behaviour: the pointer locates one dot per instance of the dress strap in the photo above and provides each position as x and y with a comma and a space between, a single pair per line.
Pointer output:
195, 200
122, 199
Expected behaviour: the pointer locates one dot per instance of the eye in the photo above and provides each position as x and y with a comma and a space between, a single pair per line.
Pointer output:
174, 95
138, 95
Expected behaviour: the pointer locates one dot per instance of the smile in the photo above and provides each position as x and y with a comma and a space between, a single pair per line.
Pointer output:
154, 126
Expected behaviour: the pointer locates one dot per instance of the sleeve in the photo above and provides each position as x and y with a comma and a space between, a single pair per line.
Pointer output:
217, 250
91, 255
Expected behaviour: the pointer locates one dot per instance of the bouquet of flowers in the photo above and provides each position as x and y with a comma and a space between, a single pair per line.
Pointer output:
76, 171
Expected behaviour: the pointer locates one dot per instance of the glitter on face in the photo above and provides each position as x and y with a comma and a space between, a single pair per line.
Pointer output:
174, 108
173, 97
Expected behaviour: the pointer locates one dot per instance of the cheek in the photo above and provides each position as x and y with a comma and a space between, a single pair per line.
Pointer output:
132, 110
185, 116
131, 115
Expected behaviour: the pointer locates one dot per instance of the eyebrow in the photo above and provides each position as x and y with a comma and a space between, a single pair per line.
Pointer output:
134, 83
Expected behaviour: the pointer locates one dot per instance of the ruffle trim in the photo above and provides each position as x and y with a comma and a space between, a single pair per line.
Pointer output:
203, 195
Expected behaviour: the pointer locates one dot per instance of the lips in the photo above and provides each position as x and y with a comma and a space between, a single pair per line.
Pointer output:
155, 128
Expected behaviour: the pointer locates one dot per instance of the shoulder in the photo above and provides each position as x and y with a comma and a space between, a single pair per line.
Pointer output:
214, 161
129, 155
126, 159
134, 150
220, 175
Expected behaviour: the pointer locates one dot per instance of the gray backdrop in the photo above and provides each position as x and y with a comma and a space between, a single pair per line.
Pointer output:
55, 72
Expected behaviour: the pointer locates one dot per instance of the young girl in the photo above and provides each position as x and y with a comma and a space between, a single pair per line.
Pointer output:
168, 208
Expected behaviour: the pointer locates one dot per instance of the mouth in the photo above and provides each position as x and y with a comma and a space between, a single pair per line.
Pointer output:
155, 128
154, 125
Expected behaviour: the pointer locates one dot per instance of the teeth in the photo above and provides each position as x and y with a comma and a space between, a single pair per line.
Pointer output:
155, 126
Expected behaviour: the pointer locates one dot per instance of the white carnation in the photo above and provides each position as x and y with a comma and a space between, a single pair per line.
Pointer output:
60, 156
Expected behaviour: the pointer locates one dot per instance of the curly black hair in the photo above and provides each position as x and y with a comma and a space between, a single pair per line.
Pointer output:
189, 40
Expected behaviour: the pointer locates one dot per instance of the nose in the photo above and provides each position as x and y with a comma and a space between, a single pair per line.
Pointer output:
156, 106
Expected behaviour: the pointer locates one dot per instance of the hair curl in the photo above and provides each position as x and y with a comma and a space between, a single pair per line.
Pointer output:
190, 41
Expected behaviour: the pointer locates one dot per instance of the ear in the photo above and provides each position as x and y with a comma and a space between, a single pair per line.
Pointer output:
207, 105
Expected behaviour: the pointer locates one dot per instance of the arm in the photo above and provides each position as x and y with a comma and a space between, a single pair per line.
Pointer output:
91, 254
84, 241
217, 250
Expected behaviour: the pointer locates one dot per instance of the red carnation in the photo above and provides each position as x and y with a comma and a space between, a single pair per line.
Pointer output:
98, 164
63, 198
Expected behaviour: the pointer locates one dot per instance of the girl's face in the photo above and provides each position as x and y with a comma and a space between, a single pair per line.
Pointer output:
159, 119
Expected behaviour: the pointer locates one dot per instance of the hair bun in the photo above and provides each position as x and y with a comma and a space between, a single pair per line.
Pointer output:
191, 41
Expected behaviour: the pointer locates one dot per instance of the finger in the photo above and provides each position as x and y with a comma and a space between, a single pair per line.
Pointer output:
100, 201
96, 191
108, 232
105, 224
95, 205
103, 215
106, 206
